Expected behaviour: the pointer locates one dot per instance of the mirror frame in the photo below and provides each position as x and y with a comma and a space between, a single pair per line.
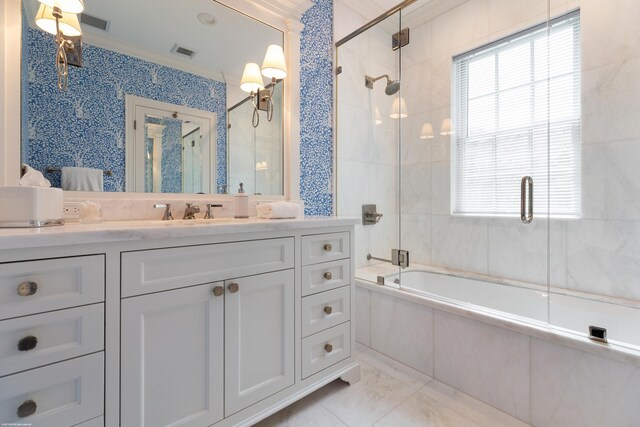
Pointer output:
283, 15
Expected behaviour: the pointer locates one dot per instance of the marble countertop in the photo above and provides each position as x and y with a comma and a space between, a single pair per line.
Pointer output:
121, 231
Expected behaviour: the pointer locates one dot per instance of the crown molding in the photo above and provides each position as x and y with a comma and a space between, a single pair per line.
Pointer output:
284, 15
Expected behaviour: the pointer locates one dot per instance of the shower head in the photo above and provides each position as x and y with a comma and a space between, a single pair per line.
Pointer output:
393, 86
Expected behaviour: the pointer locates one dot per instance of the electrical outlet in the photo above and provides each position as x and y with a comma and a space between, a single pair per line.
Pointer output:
71, 210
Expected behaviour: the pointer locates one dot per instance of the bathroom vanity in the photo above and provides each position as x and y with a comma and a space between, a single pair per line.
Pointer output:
150, 323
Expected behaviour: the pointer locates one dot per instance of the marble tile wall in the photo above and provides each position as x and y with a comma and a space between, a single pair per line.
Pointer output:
598, 253
537, 381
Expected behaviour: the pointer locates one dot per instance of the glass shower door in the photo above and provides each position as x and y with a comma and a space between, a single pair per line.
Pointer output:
472, 146
367, 147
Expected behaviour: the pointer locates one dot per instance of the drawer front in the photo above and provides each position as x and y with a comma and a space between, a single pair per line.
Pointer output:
325, 247
163, 269
325, 310
41, 339
315, 354
50, 284
322, 277
60, 395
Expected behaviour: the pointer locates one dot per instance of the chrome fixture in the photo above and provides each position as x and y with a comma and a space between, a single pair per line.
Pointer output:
59, 18
191, 211
369, 215
209, 213
393, 86
167, 211
399, 257
526, 186
597, 333
274, 67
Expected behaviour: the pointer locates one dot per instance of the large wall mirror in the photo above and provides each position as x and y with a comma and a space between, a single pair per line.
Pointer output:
156, 105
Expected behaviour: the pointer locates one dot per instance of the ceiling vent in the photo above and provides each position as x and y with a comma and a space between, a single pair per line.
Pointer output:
183, 51
94, 22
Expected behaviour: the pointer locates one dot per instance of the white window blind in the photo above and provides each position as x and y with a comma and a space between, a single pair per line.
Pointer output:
516, 112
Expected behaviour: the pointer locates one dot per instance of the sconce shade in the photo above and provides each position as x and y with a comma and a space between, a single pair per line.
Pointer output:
399, 108
251, 78
69, 6
69, 24
427, 131
274, 65
446, 128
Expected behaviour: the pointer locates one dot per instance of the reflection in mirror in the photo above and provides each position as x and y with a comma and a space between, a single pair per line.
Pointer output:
255, 154
126, 53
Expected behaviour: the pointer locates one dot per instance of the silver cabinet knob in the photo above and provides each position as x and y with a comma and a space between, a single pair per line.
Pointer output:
234, 287
328, 310
27, 409
328, 247
218, 291
27, 288
328, 348
328, 275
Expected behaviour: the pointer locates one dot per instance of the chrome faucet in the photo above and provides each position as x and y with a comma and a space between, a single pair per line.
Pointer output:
167, 211
191, 211
209, 213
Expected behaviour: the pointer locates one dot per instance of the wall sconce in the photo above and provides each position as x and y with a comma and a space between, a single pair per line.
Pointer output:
59, 17
398, 108
274, 67
427, 131
446, 128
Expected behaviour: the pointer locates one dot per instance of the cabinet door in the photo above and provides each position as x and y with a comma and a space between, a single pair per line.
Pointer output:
172, 358
259, 338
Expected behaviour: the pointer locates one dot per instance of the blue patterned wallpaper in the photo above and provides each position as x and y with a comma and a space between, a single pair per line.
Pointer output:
316, 108
85, 126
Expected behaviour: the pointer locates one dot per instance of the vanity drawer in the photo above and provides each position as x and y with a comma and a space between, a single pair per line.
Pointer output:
328, 275
315, 349
63, 394
37, 286
325, 247
41, 339
325, 310
163, 269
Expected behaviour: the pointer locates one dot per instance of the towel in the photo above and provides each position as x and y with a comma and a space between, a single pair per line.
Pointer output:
33, 178
278, 210
82, 179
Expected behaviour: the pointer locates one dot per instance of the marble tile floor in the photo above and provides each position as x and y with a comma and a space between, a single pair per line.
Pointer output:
389, 394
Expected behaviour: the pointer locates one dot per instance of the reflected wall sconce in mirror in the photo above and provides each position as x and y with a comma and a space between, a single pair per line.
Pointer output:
59, 17
398, 108
446, 129
274, 67
427, 131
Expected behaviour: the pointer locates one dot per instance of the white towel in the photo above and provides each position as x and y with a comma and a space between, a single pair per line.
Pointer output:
82, 179
33, 178
278, 210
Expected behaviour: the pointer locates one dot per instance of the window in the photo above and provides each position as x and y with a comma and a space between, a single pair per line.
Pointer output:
517, 112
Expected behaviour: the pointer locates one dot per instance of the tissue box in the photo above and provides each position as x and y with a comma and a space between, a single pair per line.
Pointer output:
30, 207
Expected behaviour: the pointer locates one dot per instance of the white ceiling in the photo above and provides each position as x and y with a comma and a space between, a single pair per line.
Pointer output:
149, 29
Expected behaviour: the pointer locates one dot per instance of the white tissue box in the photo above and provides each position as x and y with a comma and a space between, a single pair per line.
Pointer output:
31, 207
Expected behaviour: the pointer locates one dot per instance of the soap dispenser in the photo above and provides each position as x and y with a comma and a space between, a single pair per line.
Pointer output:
241, 203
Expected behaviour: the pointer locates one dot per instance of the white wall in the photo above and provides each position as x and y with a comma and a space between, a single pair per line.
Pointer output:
599, 253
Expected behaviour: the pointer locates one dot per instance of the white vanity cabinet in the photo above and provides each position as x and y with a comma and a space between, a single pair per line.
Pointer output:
182, 326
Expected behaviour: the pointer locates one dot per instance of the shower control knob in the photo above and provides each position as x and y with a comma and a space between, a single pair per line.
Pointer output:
327, 247
328, 348
28, 288
328, 275
328, 310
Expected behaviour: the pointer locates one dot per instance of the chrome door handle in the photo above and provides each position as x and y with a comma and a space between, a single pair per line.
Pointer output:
526, 214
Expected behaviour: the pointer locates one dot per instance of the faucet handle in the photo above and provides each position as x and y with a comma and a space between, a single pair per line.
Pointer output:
209, 214
167, 210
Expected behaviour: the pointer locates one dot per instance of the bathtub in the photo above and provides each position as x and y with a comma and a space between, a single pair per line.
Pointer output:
516, 346
571, 312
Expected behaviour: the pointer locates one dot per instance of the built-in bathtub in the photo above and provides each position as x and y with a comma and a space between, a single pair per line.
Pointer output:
520, 347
